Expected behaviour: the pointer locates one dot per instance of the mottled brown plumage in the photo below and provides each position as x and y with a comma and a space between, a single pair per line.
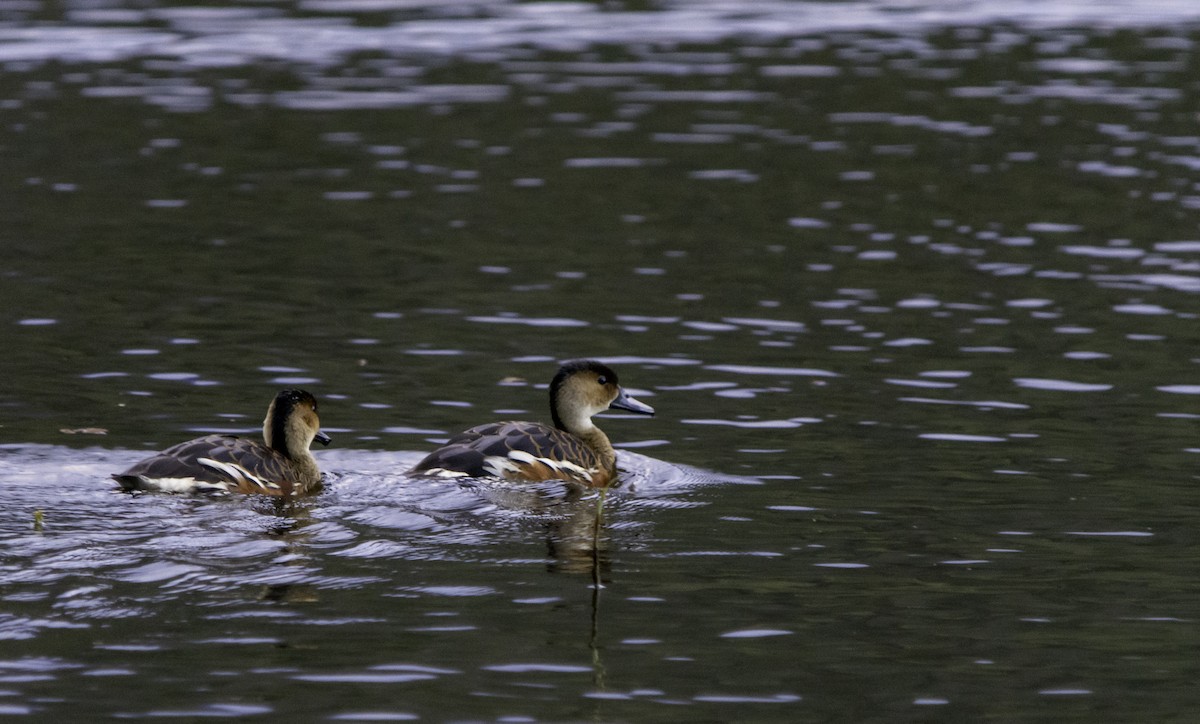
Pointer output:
231, 464
574, 449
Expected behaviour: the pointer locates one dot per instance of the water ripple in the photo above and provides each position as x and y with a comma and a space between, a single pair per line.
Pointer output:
538, 668
233, 36
957, 437
364, 678
735, 699
763, 370
158, 571
1180, 389
756, 633
530, 321
323, 100
1037, 383
981, 404
753, 424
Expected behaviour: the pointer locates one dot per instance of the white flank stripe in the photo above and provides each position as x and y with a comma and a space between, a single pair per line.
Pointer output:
499, 467
444, 473
238, 474
515, 458
180, 485
577, 469
521, 456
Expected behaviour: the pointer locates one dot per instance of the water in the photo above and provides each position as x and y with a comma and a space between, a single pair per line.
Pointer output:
912, 288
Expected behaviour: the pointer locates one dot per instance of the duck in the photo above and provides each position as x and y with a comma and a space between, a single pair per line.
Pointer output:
280, 465
574, 449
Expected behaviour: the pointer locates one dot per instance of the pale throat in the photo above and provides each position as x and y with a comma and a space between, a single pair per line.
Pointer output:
579, 423
583, 427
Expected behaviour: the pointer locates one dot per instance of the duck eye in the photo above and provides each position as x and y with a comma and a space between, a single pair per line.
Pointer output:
602, 380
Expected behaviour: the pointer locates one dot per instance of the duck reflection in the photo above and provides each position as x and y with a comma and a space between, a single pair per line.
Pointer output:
578, 543
292, 518
572, 518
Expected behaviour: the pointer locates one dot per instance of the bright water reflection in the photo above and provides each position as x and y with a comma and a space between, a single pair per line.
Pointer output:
918, 282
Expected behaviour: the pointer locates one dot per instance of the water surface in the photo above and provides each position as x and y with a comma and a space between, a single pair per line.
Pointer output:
912, 288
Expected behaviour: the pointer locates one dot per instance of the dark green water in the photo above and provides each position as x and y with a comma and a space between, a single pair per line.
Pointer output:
913, 293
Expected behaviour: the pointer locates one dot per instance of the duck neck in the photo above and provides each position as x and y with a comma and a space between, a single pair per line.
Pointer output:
592, 436
307, 470
599, 443
308, 475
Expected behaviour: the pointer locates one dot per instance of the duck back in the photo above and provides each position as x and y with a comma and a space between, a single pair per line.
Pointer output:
516, 451
218, 463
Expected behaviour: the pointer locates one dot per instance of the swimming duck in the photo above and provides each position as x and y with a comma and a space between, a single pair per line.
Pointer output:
574, 449
231, 464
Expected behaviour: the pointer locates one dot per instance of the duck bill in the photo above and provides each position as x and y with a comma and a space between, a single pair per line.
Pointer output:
625, 402
322, 438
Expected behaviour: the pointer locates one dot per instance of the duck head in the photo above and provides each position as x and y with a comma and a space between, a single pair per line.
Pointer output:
292, 423
583, 388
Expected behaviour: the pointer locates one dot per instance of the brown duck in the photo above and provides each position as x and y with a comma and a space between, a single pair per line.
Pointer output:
574, 449
231, 464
